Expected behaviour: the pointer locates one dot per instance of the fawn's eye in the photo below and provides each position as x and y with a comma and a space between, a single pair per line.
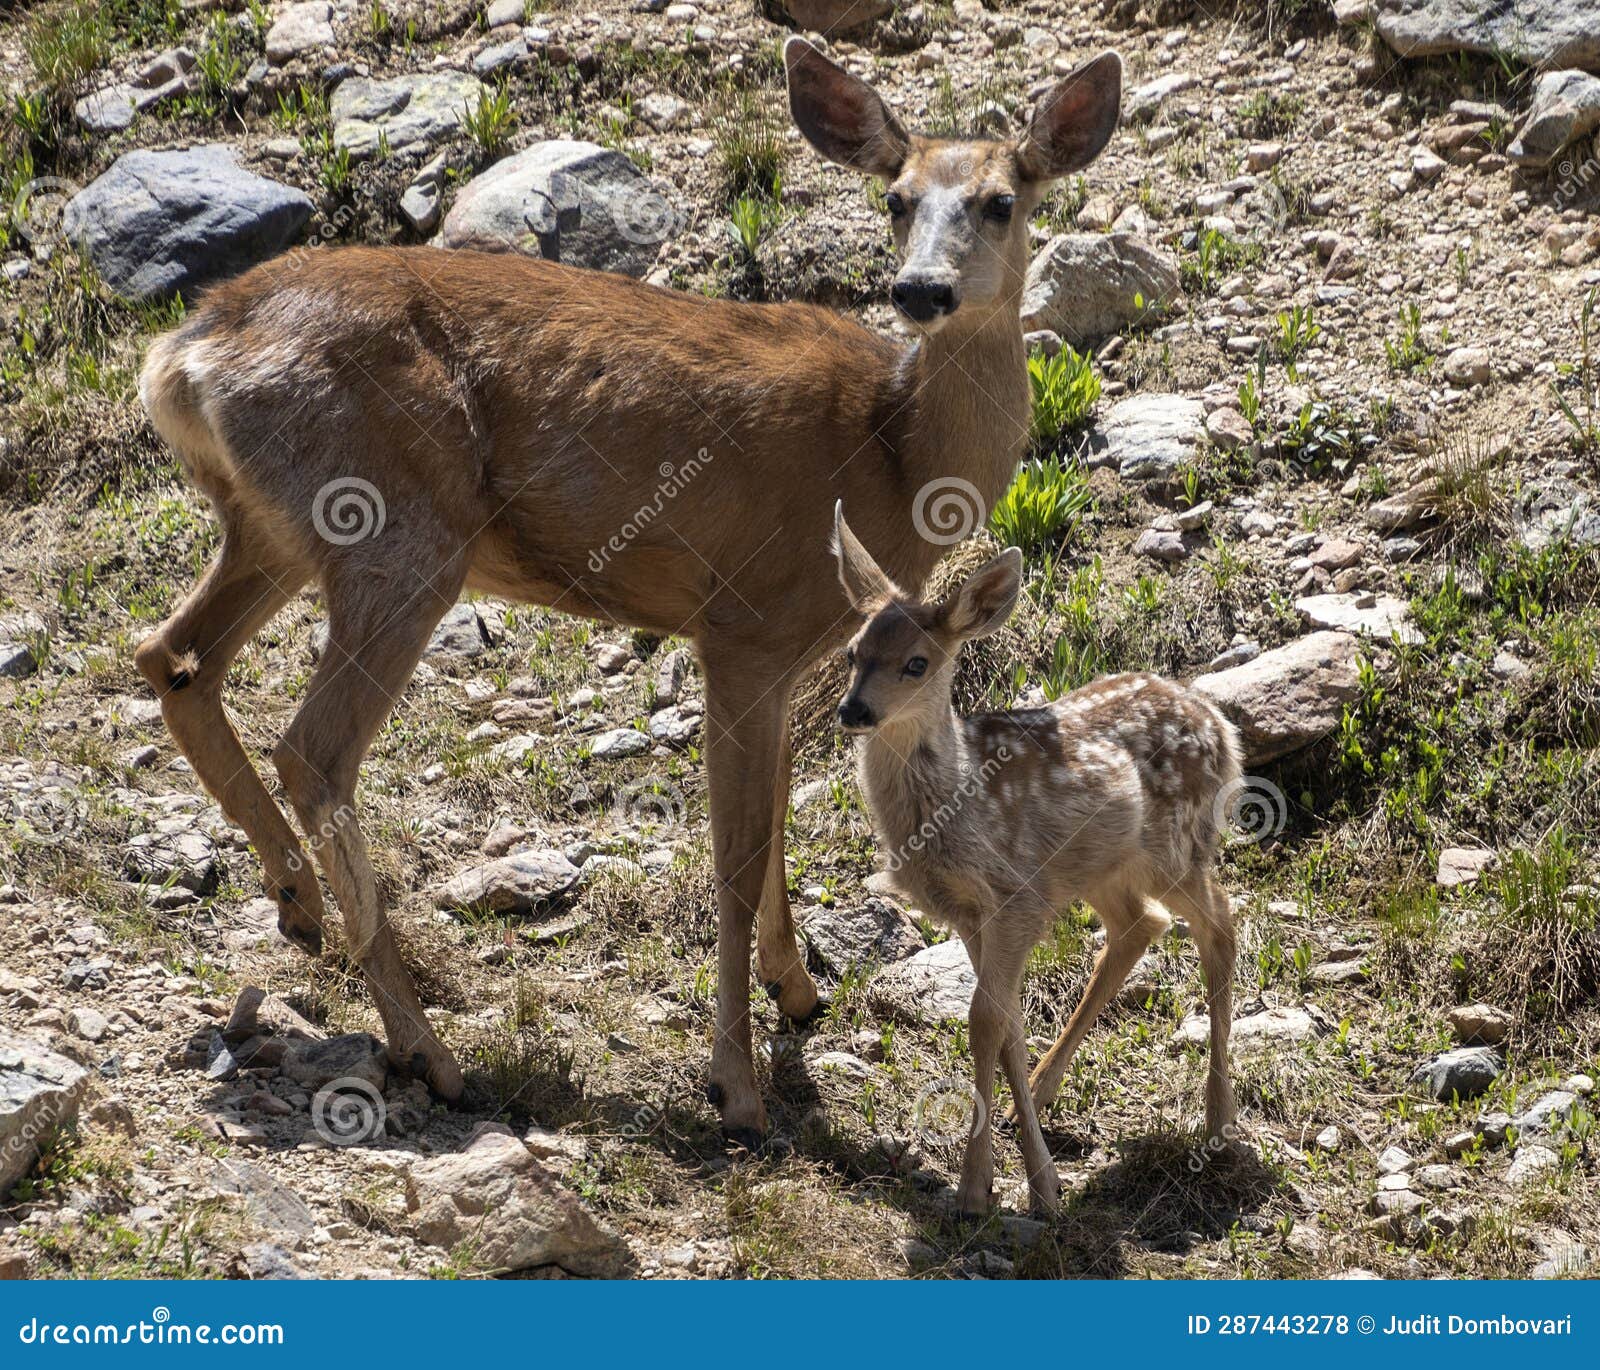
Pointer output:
999, 208
896, 202
917, 665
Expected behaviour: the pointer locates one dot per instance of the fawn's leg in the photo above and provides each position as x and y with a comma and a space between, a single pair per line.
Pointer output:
1131, 926
1005, 963
378, 626
186, 660
1205, 904
986, 1027
744, 744
779, 961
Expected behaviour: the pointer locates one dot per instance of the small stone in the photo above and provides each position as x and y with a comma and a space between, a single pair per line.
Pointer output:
1395, 1161
88, 1023
1531, 1164
1160, 545
618, 743
1328, 1139
1463, 865
1480, 1024
1467, 366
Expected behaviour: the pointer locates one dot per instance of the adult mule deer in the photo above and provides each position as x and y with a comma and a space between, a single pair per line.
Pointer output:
505, 416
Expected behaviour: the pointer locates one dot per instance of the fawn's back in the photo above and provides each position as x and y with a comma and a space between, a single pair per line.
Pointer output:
1123, 783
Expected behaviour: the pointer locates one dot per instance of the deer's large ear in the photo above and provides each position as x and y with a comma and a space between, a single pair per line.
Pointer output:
865, 585
1074, 121
842, 117
984, 601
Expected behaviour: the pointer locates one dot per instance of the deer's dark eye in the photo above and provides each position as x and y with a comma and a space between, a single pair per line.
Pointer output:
896, 203
999, 208
917, 665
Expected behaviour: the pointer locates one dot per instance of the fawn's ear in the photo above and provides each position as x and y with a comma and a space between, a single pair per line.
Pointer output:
841, 116
1074, 121
865, 585
984, 601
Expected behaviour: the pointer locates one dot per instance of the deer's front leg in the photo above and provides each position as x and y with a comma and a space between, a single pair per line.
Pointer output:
744, 730
778, 957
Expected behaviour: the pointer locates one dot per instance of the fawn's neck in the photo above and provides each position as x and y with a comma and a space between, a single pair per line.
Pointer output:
910, 775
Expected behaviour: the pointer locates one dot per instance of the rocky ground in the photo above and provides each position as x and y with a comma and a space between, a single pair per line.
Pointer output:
1338, 274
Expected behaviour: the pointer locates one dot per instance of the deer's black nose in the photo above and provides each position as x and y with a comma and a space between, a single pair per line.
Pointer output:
854, 714
920, 298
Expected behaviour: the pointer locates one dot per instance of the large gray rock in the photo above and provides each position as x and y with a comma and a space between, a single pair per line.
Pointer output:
1465, 1072
300, 28
411, 113
833, 17
351, 1056
935, 984
161, 222
494, 1195
1087, 286
1287, 698
875, 931
1149, 436
519, 883
1377, 616
39, 1092
1543, 33
173, 855
1566, 106
565, 200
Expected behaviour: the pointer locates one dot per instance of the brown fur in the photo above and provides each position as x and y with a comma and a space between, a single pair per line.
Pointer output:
513, 416
996, 823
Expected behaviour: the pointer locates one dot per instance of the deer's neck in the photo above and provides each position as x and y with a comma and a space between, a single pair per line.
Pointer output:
966, 394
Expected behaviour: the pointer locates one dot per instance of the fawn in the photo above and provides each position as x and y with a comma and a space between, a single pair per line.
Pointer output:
400, 424
1114, 794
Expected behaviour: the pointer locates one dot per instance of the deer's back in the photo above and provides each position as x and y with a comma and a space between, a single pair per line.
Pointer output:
579, 428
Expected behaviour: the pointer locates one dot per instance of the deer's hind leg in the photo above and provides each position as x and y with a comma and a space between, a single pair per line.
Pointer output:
185, 661
379, 620
1131, 926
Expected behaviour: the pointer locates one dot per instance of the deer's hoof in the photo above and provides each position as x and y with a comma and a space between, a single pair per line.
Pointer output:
744, 1139
714, 1094
815, 1015
301, 931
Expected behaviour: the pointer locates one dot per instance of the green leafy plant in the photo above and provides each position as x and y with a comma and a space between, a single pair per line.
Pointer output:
488, 123
1064, 388
1409, 351
1298, 330
1046, 500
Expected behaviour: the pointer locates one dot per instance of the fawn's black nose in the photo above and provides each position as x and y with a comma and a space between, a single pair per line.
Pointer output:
921, 298
854, 714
